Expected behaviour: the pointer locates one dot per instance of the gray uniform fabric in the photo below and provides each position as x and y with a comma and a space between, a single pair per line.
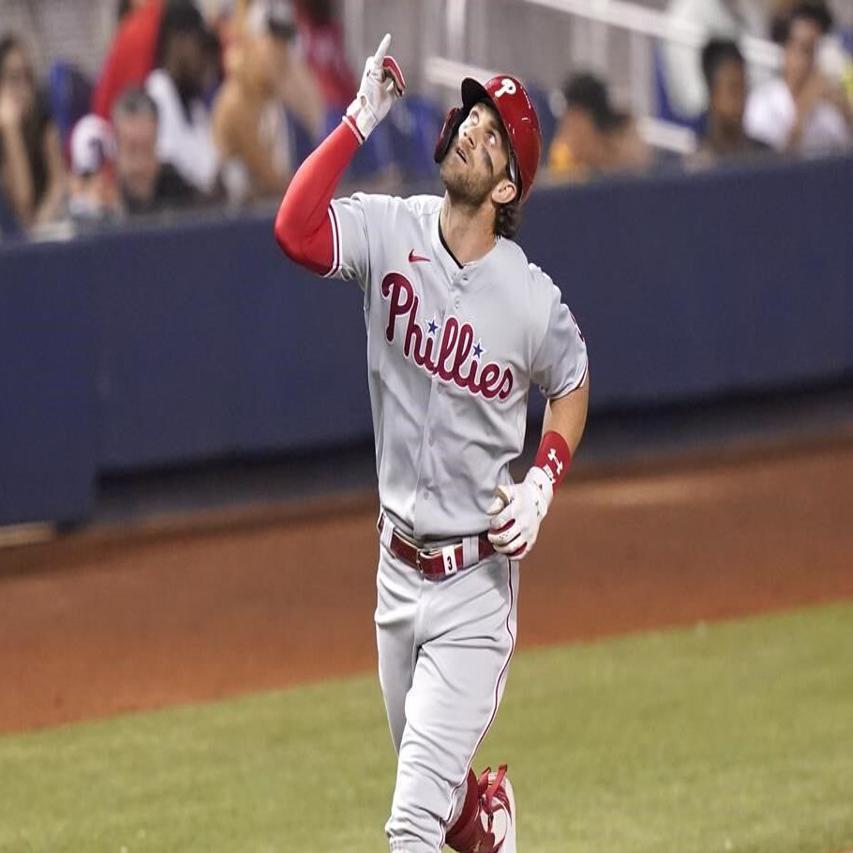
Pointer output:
451, 353
444, 651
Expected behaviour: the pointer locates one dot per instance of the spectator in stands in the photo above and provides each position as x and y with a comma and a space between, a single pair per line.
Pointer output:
250, 123
724, 136
593, 137
130, 57
722, 18
93, 197
322, 41
32, 169
780, 15
185, 134
835, 56
145, 184
219, 16
802, 111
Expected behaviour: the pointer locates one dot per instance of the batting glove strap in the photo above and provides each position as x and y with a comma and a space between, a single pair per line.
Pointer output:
541, 480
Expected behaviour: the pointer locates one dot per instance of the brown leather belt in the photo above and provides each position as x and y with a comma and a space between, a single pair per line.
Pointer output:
432, 563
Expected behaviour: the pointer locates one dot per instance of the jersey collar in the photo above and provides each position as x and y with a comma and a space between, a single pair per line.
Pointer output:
450, 262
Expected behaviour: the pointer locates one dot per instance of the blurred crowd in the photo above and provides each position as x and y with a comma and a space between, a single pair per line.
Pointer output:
806, 109
196, 104
217, 101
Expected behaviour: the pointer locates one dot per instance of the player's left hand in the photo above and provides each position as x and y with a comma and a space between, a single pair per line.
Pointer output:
517, 511
381, 84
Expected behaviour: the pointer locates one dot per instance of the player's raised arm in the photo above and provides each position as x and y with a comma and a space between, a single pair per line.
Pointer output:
303, 228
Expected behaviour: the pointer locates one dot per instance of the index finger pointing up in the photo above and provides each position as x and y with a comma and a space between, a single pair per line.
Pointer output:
382, 50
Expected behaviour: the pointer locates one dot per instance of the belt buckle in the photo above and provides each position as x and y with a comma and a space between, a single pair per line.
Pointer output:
424, 553
448, 559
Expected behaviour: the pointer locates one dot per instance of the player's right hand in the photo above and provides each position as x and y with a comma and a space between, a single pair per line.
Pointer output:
381, 84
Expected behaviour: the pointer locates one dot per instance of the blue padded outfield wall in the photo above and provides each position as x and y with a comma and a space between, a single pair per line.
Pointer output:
160, 347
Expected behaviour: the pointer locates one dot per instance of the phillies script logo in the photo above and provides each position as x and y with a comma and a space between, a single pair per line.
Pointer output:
442, 354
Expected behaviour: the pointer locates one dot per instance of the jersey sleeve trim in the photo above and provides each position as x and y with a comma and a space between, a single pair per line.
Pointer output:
577, 385
336, 243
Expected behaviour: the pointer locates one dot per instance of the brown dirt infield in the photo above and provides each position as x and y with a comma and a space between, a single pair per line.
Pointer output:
97, 623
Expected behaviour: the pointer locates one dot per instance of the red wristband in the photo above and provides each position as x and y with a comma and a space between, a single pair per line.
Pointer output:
553, 457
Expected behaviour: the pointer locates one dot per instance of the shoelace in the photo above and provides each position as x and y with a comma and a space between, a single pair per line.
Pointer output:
488, 791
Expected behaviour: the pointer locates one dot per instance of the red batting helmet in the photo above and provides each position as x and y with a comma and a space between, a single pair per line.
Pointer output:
509, 97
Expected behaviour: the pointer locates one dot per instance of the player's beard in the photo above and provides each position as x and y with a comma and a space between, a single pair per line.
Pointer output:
463, 186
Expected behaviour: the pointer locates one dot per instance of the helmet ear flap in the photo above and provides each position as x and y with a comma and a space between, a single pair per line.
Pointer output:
451, 124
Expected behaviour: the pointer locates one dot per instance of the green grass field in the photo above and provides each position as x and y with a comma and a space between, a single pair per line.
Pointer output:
728, 737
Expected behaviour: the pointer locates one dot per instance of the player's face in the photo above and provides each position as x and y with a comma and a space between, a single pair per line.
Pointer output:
476, 164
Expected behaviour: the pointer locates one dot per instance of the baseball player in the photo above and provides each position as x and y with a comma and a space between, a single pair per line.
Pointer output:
459, 325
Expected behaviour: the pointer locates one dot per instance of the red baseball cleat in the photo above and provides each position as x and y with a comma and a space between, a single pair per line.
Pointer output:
487, 821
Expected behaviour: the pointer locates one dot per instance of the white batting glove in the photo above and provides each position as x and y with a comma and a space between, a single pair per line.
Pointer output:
517, 511
381, 84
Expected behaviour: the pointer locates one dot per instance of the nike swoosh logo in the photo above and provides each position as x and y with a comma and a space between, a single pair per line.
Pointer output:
413, 258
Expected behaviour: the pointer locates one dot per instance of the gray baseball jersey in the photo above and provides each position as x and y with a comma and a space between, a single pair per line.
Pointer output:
451, 353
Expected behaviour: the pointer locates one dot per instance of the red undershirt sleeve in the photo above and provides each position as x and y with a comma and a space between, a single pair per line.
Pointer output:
303, 228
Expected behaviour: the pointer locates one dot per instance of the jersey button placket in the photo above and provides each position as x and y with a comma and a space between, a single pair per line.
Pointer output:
425, 461
453, 300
